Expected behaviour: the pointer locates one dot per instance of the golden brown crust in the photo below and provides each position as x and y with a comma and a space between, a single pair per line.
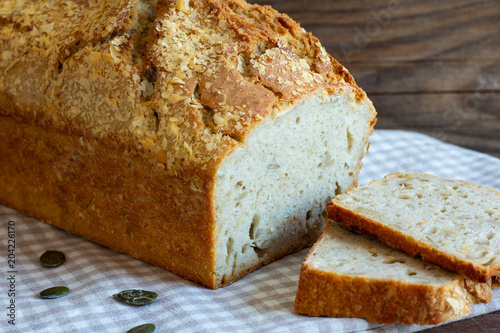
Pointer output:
478, 292
283, 72
329, 294
208, 69
128, 205
37, 37
399, 240
326, 293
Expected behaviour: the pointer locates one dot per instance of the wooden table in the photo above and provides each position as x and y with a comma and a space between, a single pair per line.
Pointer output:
428, 66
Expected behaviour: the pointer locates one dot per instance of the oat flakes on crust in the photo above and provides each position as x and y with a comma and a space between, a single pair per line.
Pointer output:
184, 86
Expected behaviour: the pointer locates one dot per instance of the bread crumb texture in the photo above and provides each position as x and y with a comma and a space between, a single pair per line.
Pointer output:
181, 82
452, 223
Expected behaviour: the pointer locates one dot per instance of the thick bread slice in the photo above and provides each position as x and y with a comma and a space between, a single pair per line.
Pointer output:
203, 136
453, 224
348, 275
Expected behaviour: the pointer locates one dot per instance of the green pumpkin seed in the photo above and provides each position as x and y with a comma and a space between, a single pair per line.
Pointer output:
145, 328
52, 258
136, 297
54, 292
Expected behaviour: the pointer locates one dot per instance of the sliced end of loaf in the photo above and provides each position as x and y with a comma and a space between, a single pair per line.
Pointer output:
347, 275
271, 193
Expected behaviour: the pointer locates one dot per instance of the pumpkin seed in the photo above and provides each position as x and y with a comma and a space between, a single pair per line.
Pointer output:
145, 328
136, 296
54, 292
52, 258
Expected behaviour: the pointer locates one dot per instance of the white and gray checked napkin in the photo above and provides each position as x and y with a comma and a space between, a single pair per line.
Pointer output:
260, 302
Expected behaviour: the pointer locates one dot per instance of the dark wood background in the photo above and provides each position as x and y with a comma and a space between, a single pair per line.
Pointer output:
428, 66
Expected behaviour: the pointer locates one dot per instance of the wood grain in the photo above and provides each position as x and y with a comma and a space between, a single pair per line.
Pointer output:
428, 66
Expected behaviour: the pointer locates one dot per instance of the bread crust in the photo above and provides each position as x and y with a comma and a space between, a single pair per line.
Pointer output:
332, 295
128, 205
326, 293
399, 240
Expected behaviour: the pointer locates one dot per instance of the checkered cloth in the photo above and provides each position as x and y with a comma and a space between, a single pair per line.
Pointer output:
260, 302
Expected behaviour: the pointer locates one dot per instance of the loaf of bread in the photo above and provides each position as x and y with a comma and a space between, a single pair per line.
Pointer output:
451, 223
348, 275
203, 136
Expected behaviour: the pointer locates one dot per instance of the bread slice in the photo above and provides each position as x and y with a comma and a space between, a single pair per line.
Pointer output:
348, 275
451, 223
203, 136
